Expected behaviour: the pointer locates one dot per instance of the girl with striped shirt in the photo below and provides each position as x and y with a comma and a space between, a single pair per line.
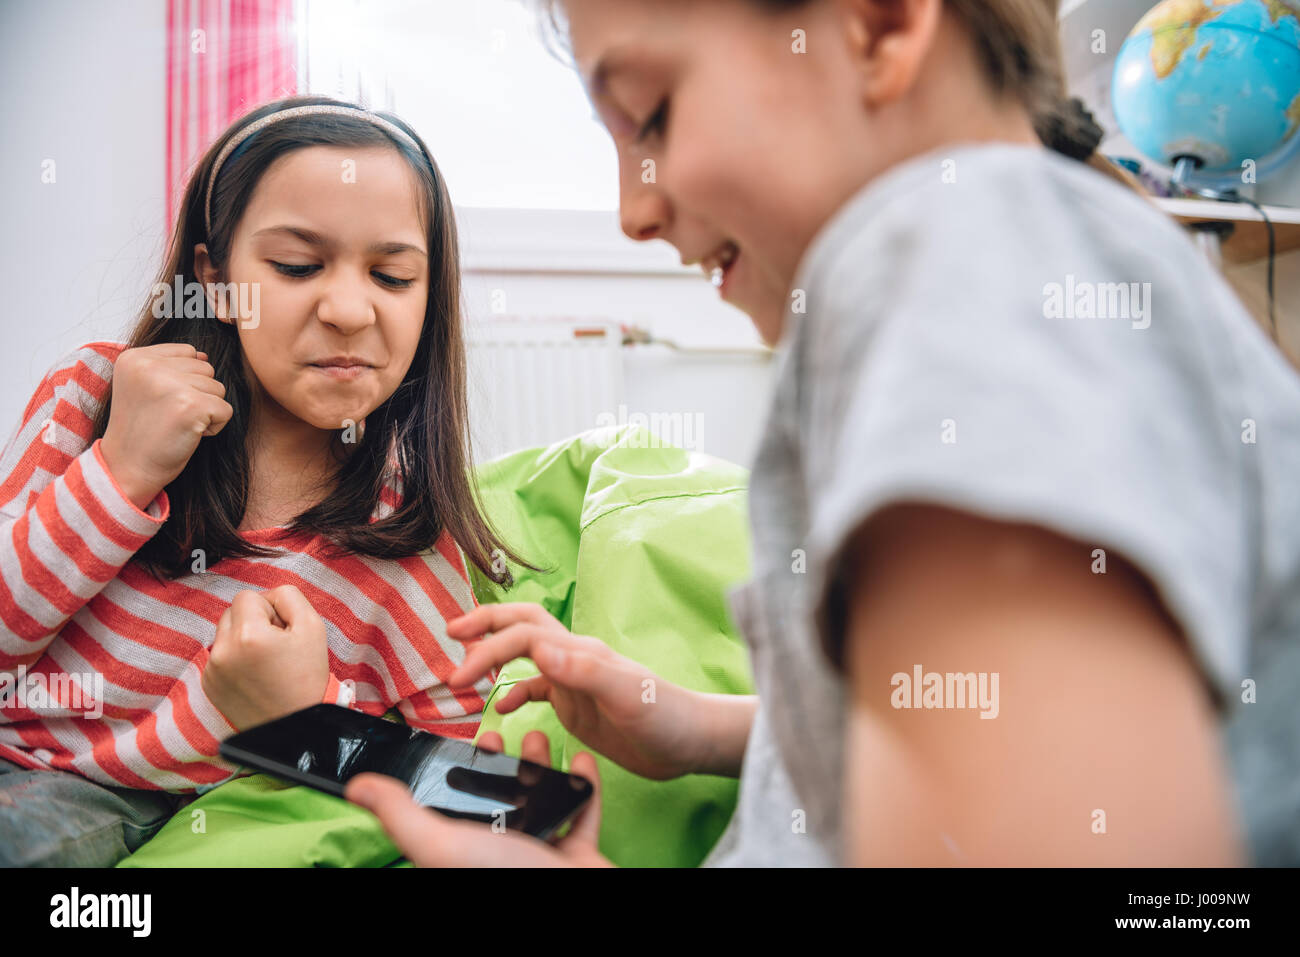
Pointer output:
258, 502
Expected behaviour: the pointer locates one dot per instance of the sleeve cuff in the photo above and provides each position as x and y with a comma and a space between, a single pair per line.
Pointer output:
126, 512
342, 693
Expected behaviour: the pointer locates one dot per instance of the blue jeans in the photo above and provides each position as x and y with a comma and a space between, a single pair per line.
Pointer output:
60, 819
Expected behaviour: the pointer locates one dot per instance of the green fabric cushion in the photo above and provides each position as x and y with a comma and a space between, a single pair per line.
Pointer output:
259, 821
638, 545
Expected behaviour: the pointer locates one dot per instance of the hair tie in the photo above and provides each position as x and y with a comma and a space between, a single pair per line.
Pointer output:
1071, 129
309, 110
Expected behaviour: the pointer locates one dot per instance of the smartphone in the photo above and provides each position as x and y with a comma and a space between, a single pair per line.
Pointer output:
325, 745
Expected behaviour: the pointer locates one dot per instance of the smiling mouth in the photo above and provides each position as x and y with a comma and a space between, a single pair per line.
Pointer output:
718, 263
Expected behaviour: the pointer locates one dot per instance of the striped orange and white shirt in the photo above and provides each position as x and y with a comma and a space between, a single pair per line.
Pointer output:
85, 630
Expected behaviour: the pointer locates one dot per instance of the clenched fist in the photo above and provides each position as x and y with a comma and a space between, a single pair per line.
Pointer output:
166, 397
269, 657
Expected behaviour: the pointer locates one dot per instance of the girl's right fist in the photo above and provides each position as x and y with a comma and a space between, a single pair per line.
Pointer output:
165, 398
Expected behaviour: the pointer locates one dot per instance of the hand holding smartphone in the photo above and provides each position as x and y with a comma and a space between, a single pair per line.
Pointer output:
326, 745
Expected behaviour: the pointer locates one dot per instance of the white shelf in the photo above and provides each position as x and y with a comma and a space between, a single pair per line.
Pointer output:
1201, 210
1249, 239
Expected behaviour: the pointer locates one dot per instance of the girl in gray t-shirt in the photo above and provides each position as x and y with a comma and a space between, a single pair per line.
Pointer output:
1024, 525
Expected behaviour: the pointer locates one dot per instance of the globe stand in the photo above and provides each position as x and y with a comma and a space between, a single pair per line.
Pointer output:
1185, 168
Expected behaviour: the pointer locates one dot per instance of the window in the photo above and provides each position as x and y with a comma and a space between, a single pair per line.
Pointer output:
508, 124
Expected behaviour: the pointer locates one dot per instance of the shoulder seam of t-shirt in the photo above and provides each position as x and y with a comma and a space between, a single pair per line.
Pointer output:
891, 186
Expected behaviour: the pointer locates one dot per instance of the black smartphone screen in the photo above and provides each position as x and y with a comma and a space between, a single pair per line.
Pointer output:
325, 745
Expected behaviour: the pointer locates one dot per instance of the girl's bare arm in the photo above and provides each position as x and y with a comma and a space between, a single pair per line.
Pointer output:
1099, 746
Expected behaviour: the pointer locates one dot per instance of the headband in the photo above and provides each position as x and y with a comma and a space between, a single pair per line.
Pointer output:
242, 136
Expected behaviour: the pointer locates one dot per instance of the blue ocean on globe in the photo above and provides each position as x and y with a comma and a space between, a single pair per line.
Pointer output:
1218, 80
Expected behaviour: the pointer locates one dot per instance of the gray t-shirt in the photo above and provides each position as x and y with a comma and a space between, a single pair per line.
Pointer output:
1005, 331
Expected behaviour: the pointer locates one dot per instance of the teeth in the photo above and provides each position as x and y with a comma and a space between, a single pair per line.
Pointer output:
716, 264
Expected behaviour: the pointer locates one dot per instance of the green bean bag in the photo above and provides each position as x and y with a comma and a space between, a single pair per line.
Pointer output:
638, 544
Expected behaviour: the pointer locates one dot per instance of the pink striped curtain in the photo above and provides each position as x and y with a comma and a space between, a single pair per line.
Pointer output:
224, 57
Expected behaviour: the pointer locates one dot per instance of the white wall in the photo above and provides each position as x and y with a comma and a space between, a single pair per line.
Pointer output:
80, 83
579, 264
725, 392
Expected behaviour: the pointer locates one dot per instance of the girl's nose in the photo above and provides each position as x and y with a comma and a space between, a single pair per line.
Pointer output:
643, 215
644, 212
346, 304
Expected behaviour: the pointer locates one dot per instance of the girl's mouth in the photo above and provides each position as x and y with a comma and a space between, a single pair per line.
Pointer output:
342, 372
719, 265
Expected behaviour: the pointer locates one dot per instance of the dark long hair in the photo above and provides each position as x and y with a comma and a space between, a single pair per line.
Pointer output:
423, 424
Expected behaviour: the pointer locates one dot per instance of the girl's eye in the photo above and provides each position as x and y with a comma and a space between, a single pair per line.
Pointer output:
392, 281
295, 270
298, 271
655, 124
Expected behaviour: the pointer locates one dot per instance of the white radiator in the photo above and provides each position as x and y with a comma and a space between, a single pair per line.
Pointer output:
535, 381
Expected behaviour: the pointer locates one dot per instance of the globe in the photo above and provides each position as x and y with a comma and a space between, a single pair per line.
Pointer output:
1217, 81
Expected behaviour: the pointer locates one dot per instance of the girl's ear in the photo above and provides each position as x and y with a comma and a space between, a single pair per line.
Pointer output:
888, 42
209, 276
